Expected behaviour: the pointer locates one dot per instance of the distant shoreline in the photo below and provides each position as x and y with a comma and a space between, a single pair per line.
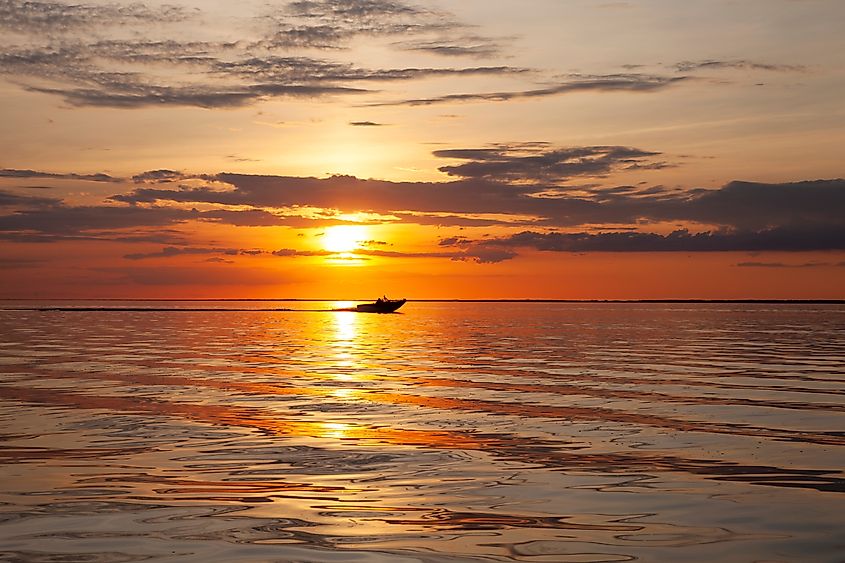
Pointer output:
525, 300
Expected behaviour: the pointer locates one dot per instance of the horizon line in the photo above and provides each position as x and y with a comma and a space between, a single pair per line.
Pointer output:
447, 300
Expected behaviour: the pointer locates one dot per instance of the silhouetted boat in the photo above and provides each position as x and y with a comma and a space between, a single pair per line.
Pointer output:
380, 305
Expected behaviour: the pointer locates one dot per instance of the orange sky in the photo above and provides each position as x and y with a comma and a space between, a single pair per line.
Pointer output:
429, 149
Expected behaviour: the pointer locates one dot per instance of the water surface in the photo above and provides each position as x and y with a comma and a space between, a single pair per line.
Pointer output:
451, 432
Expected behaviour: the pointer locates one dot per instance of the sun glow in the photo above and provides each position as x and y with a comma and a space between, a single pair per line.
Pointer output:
344, 238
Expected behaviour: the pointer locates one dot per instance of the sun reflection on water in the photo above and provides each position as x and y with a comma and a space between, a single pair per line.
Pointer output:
344, 346
336, 430
345, 325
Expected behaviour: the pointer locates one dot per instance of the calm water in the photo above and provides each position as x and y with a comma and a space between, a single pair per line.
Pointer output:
452, 432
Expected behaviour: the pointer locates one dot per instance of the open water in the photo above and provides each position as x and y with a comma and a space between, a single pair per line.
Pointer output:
451, 432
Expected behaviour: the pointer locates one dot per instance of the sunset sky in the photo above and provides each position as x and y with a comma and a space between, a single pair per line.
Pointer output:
423, 149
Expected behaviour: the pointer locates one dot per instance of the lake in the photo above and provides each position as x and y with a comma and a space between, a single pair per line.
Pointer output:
566, 432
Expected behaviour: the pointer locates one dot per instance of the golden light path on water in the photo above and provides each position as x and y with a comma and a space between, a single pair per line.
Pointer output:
533, 432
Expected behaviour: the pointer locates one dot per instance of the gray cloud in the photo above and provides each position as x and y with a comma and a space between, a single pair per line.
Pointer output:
603, 83
98, 177
218, 74
452, 220
306, 69
199, 96
47, 220
454, 241
806, 238
741, 64
753, 205
70, 221
785, 265
463, 46
479, 255
33, 16
332, 24
521, 185
158, 176
120, 72
172, 251
745, 206
365, 124
482, 255
532, 163
11, 199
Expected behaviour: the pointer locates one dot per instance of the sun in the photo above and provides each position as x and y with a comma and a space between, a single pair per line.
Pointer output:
344, 238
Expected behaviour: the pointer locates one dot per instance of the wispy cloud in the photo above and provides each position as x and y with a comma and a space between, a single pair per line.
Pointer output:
518, 185
158, 176
333, 24
529, 188
736, 64
792, 238
199, 96
59, 56
173, 251
541, 163
475, 254
34, 16
790, 265
464, 46
97, 177
604, 83
11, 199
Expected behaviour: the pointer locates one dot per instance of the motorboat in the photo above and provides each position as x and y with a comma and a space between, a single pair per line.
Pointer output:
380, 305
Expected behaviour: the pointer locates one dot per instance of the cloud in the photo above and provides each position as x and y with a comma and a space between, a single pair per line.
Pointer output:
98, 177
204, 96
10, 199
365, 124
481, 255
212, 75
118, 68
457, 220
62, 221
245, 217
806, 238
541, 163
454, 241
173, 251
33, 16
519, 185
602, 83
736, 64
523, 197
333, 24
784, 265
48, 220
400, 254
466, 46
286, 69
158, 176
478, 255
753, 205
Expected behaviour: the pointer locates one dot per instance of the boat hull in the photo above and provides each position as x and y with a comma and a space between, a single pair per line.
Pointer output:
389, 306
